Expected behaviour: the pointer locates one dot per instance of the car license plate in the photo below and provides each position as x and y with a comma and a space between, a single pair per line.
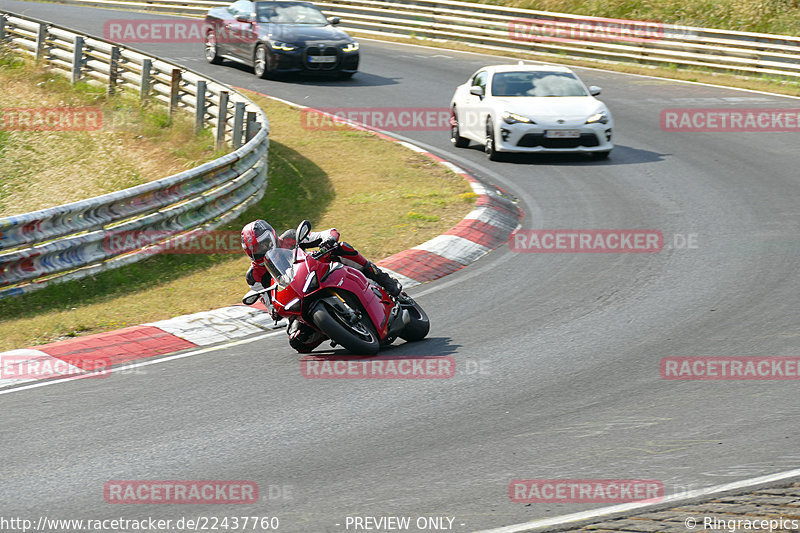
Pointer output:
562, 134
322, 59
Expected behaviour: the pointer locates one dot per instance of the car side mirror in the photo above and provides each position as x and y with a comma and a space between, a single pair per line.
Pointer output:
302, 231
594, 90
334, 20
477, 90
244, 18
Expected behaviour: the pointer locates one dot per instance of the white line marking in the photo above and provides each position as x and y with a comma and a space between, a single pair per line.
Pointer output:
624, 507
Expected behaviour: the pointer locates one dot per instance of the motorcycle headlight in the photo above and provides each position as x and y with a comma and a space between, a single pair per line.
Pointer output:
350, 47
280, 45
514, 118
600, 118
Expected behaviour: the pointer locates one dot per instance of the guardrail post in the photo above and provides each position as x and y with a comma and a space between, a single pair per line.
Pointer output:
2, 28
77, 60
174, 89
200, 107
238, 123
113, 69
41, 39
144, 85
251, 126
222, 119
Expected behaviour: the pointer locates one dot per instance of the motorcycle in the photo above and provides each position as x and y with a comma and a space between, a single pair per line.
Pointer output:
337, 300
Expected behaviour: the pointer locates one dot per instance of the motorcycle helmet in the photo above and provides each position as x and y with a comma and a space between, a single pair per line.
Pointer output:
258, 238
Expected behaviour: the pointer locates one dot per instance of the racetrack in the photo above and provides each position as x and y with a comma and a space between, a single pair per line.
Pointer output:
568, 345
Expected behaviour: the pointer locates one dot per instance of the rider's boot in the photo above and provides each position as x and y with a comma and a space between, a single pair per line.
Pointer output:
389, 284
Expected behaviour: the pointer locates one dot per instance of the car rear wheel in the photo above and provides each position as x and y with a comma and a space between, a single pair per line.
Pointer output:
489, 147
261, 61
212, 52
455, 133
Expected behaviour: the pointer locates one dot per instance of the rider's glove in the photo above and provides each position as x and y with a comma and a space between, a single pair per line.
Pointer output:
331, 240
329, 244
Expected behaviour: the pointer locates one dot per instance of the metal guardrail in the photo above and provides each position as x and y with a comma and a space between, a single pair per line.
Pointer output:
541, 32
72, 240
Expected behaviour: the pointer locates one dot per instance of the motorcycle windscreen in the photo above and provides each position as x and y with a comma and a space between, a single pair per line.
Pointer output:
279, 265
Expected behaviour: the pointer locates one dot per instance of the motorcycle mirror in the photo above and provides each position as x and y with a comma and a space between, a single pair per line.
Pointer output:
251, 297
303, 230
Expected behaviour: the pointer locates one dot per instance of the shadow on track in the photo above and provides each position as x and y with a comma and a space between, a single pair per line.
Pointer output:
621, 155
359, 79
428, 347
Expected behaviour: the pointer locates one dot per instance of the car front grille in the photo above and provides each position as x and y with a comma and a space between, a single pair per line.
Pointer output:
328, 51
531, 140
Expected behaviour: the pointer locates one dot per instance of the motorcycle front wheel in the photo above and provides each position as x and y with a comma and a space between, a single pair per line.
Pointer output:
357, 337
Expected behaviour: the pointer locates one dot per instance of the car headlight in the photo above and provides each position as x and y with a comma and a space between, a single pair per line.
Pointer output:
280, 45
350, 47
600, 118
513, 118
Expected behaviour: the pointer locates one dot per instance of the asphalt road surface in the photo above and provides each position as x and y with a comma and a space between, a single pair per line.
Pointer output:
557, 354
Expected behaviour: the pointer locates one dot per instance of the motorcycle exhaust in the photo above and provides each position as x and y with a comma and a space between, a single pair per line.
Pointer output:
398, 319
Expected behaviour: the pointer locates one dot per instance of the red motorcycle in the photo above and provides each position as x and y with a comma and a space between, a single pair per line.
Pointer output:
337, 300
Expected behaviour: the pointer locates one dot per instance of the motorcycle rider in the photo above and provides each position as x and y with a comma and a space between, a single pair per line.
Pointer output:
258, 238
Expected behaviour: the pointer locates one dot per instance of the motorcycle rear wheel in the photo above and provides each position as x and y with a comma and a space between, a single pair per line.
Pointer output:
418, 328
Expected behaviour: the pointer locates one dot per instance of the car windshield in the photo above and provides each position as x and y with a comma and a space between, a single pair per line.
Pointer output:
279, 265
539, 83
289, 13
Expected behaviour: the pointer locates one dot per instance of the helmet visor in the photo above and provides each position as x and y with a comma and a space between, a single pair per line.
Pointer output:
264, 243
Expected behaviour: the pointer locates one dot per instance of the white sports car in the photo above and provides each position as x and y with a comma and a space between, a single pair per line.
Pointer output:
530, 108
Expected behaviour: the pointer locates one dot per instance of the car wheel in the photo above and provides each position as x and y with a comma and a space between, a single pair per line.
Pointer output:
601, 155
346, 75
489, 147
261, 61
212, 53
455, 134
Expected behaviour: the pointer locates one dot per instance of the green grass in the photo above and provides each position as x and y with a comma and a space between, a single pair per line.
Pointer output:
764, 16
40, 169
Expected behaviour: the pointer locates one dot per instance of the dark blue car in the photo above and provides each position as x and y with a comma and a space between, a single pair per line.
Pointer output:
279, 37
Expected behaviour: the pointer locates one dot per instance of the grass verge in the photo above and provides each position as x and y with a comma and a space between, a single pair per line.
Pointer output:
764, 16
130, 145
383, 198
